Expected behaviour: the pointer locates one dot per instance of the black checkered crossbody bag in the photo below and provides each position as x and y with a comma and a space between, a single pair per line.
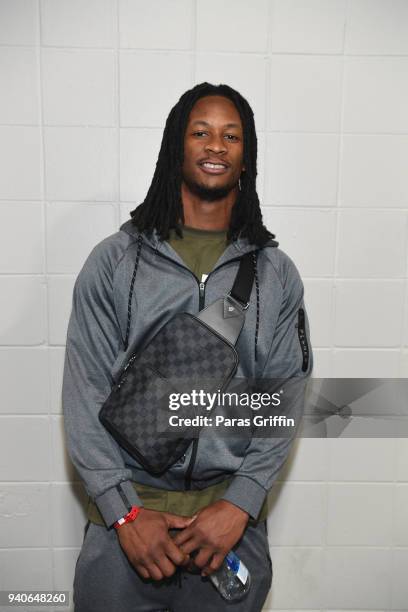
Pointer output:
188, 352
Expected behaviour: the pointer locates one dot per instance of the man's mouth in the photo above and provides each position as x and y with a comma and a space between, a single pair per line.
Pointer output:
213, 168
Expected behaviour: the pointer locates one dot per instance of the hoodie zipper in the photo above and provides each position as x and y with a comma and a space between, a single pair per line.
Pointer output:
202, 296
201, 287
191, 463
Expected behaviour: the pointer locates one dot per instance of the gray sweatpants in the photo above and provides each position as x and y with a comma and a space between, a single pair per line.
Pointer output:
106, 580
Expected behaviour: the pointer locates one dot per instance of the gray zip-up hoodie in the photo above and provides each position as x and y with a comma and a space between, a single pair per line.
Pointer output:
269, 347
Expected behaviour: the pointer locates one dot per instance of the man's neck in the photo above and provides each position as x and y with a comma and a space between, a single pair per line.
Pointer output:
202, 214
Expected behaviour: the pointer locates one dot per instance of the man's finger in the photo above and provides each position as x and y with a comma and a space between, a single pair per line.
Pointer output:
203, 557
166, 567
154, 571
190, 545
182, 536
174, 521
142, 571
175, 554
214, 564
186, 561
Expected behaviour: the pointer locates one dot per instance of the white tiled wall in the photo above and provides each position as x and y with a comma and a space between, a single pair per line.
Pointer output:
86, 86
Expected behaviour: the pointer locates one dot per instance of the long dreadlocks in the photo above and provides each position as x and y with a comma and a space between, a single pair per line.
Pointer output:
162, 209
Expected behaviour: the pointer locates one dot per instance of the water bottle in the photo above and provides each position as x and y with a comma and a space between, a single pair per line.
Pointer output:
232, 580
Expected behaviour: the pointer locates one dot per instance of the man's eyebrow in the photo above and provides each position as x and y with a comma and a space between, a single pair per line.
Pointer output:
227, 125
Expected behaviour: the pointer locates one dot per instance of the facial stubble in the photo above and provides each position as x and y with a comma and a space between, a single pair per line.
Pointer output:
208, 194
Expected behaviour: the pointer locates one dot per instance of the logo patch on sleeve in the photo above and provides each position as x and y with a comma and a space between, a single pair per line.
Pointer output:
303, 339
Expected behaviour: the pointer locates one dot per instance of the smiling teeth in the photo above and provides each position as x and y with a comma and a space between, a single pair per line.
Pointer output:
209, 165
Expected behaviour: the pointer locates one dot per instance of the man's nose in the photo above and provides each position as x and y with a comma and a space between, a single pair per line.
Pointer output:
216, 143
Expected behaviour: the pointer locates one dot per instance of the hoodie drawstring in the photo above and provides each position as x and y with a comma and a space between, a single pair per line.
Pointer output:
139, 248
176, 578
255, 260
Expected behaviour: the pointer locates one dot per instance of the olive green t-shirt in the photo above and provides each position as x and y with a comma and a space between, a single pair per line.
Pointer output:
199, 249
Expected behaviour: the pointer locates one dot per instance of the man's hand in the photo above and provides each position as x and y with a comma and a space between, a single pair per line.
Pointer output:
148, 545
217, 528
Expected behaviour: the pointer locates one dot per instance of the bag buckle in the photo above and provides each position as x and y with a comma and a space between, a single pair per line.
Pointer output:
240, 304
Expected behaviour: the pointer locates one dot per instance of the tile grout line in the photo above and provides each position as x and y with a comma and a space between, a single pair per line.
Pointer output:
404, 303
47, 301
338, 195
214, 51
117, 107
193, 41
334, 296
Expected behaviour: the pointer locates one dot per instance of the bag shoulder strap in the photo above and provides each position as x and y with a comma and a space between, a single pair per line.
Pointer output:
242, 287
226, 316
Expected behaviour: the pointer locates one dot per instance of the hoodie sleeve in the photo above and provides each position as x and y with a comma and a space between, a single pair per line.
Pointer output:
92, 345
290, 359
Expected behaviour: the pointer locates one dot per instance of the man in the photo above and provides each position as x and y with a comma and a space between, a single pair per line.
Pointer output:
179, 252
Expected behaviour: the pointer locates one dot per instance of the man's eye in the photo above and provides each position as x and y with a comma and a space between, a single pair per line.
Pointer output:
228, 136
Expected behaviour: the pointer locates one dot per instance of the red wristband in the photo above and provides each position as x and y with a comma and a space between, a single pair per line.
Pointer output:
128, 518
